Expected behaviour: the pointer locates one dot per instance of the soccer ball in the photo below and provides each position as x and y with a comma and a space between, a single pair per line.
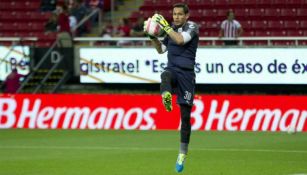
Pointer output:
152, 28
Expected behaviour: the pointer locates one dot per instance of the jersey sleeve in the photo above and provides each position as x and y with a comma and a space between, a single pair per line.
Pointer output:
223, 25
192, 29
238, 25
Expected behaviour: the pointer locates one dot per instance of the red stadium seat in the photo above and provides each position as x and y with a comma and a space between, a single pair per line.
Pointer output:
209, 14
264, 3
246, 25
275, 24
291, 13
222, 13
262, 33
272, 13
255, 43
221, 4
8, 27
24, 27
302, 12
256, 13
283, 43
295, 33
236, 4
248, 33
260, 25
212, 25
278, 33
207, 4
303, 25
292, 24
242, 14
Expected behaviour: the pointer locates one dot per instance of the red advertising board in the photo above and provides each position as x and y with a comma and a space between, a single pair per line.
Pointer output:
146, 112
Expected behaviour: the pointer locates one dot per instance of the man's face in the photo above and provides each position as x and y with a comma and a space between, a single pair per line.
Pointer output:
179, 16
231, 16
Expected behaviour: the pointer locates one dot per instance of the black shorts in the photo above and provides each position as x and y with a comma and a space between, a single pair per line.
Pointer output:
183, 84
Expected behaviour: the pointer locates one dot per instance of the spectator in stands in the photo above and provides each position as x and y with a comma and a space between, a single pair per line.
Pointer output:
123, 30
70, 4
72, 23
12, 82
137, 30
79, 11
230, 29
63, 20
93, 5
65, 34
51, 25
107, 30
48, 5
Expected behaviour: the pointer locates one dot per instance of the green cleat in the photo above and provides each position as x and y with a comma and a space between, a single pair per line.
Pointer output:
167, 101
180, 162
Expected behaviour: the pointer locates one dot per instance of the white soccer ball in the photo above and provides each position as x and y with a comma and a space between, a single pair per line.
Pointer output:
152, 28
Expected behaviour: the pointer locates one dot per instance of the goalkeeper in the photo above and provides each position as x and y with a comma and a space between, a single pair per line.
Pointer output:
178, 77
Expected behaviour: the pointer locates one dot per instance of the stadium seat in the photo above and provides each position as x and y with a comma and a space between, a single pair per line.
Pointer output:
256, 13
291, 24
248, 33
302, 12
288, 13
242, 14
262, 33
283, 43
222, 13
212, 25
255, 43
205, 4
210, 14
221, 4
295, 33
260, 25
275, 24
271, 14
303, 25
246, 25
278, 33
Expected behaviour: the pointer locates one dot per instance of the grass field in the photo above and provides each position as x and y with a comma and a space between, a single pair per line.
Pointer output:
85, 152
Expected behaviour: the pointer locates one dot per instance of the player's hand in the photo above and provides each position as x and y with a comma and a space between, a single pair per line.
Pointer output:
162, 22
144, 29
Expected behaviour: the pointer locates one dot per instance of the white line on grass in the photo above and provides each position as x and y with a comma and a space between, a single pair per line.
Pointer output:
151, 149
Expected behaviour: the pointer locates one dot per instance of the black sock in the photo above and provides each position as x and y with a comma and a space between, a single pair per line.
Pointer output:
165, 85
185, 131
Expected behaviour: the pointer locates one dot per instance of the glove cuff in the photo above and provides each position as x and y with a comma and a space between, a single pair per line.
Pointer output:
151, 37
168, 29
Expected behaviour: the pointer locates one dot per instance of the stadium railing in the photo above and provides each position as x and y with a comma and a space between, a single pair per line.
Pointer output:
92, 40
18, 40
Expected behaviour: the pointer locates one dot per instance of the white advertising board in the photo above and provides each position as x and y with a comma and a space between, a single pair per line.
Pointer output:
213, 65
14, 57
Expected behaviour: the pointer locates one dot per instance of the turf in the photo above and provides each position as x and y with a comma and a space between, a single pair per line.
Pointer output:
86, 152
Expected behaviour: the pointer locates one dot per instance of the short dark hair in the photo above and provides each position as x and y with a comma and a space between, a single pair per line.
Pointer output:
182, 5
230, 11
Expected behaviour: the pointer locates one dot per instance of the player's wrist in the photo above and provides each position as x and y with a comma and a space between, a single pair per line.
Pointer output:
168, 29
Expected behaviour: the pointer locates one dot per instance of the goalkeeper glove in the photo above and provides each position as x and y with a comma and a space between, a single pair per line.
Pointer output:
144, 28
163, 23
